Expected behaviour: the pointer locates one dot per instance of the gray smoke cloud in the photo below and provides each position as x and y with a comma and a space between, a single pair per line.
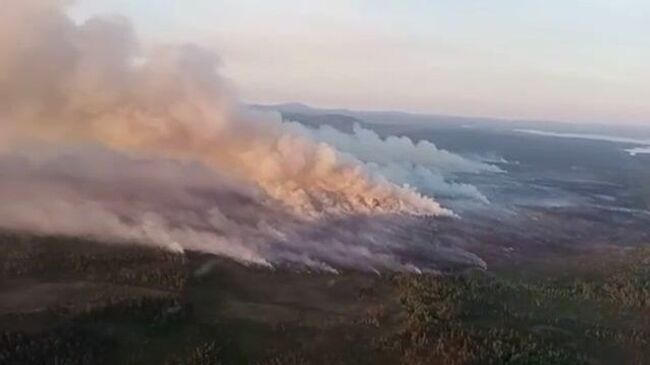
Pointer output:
101, 138
182, 205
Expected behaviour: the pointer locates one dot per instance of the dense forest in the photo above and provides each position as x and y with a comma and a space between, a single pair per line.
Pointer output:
75, 301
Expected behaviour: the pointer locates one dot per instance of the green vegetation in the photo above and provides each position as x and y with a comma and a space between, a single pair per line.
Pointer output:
136, 305
627, 283
66, 257
482, 318
446, 323
208, 353
435, 331
63, 346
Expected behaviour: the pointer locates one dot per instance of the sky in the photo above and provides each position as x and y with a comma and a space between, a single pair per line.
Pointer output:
567, 60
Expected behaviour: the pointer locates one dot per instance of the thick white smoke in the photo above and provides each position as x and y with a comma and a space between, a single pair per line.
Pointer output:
149, 147
421, 164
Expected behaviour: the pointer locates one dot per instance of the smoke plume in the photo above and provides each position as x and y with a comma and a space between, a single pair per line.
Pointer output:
63, 82
102, 137
404, 162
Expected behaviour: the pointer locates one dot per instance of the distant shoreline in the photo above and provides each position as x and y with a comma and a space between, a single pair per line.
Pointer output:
644, 143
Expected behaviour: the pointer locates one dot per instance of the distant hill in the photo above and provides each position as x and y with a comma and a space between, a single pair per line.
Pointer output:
340, 122
372, 117
300, 112
314, 118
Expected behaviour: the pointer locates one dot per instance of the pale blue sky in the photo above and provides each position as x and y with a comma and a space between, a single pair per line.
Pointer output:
573, 60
